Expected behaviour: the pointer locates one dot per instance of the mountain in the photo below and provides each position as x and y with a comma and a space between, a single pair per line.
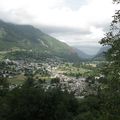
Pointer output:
83, 55
101, 53
20, 38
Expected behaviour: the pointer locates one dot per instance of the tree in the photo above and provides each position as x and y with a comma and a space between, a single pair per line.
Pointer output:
111, 91
117, 1
4, 86
33, 103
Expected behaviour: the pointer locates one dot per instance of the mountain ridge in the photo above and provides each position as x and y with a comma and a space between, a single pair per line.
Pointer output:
27, 37
101, 53
82, 54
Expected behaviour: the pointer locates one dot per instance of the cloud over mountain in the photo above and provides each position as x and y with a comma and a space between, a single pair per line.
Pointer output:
71, 21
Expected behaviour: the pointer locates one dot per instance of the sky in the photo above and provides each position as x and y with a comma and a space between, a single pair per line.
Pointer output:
79, 23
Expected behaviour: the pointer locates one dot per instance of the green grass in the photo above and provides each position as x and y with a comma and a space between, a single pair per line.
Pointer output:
2, 55
72, 71
19, 79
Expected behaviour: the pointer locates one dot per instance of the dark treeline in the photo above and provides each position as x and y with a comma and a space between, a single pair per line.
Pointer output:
32, 102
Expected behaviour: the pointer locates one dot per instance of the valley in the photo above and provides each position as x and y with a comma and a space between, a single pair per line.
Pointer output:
59, 60
44, 78
28, 53
49, 73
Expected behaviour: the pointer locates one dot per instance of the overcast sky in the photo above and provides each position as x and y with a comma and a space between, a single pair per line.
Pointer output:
76, 22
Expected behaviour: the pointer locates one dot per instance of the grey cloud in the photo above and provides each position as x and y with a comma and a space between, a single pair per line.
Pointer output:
104, 25
18, 16
62, 30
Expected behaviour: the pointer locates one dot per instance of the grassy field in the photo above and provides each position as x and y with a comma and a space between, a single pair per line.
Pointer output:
82, 70
19, 79
2, 55
73, 71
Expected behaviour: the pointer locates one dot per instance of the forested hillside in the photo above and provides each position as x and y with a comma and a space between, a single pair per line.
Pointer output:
27, 38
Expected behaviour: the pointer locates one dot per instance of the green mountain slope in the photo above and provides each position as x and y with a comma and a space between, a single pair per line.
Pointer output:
83, 55
25, 37
101, 53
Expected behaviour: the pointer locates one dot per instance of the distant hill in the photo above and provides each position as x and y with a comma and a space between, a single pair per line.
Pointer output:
28, 38
83, 55
101, 53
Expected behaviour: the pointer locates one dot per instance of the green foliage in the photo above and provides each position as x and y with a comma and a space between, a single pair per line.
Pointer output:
73, 74
4, 86
55, 80
116, 1
111, 91
33, 101
23, 103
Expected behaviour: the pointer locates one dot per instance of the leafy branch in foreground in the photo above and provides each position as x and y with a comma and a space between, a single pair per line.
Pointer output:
111, 91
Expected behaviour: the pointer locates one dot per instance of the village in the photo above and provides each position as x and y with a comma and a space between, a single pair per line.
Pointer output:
46, 71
